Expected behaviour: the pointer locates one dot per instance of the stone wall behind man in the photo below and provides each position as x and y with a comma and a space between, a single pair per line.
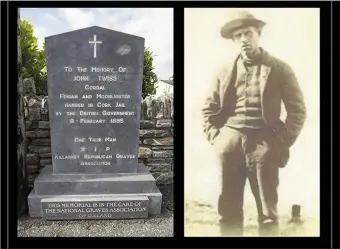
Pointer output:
156, 136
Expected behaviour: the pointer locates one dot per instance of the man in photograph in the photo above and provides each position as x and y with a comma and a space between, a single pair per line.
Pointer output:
242, 121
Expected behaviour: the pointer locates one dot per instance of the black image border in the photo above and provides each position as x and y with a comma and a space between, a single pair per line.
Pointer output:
324, 241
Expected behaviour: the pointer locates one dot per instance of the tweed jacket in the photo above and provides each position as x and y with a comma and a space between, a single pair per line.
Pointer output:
277, 84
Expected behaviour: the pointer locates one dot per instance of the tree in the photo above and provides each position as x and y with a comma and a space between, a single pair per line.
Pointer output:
33, 59
34, 63
22, 179
149, 77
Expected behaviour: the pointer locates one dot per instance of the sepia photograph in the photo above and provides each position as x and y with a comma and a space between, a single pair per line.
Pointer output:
252, 142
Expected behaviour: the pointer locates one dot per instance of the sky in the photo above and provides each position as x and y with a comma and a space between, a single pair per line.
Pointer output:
155, 25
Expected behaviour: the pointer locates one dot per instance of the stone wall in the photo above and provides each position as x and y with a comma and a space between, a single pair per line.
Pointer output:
22, 186
156, 135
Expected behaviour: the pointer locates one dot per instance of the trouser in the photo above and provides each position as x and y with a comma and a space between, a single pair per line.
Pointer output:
252, 154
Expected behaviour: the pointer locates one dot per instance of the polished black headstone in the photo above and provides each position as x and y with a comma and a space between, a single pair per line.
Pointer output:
95, 80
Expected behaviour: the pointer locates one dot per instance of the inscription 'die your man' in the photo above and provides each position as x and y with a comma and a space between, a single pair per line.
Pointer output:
96, 98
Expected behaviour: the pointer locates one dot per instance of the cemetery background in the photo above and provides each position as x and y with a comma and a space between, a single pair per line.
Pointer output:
294, 40
156, 148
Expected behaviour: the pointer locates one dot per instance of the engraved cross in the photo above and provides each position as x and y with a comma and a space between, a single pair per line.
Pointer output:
95, 45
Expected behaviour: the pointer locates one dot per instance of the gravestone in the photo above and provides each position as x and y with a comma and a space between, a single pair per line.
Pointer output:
94, 88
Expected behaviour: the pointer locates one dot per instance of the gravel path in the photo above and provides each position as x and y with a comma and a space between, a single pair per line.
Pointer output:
154, 226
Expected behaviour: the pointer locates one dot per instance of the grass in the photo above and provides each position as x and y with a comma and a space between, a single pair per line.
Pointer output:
202, 220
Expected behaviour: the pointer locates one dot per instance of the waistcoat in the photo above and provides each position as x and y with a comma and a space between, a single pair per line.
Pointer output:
247, 111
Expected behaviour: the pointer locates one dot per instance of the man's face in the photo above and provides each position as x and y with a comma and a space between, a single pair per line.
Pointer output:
246, 39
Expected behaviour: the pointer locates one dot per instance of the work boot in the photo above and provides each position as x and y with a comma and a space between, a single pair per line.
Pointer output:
231, 229
269, 228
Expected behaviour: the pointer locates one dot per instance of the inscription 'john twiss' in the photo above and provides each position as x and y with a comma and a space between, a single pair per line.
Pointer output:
97, 94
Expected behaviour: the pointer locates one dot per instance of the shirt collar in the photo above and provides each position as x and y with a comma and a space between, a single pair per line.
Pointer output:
256, 58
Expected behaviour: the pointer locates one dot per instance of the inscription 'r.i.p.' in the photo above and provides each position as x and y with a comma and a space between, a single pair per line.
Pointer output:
94, 42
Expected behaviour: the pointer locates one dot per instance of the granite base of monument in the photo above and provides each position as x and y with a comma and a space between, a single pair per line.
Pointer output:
93, 196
